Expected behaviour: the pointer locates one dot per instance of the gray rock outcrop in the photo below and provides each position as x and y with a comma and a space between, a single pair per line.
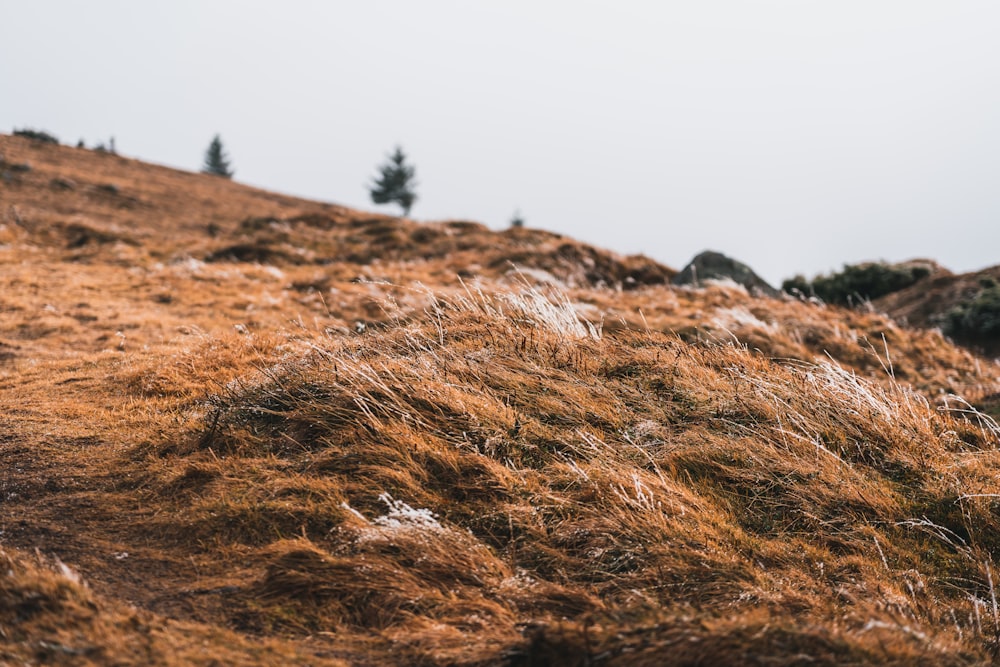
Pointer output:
711, 265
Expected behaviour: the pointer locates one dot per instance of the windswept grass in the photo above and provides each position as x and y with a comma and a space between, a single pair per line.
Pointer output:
497, 462
48, 616
356, 439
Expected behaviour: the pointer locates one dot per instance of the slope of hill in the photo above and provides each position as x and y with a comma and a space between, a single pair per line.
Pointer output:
939, 300
917, 293
102, 207
241, 428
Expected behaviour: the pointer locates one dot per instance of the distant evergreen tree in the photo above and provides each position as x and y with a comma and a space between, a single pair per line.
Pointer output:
216, 160
395, 182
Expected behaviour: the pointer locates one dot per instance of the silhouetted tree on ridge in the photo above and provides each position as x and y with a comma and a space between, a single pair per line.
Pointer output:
216, 160
395, 182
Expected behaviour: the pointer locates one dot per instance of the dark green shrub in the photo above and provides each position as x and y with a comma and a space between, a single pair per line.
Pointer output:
859, 282
977, 318
797, 285
36, 135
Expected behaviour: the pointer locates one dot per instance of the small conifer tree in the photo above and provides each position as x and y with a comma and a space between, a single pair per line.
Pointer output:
216, 160
395, 182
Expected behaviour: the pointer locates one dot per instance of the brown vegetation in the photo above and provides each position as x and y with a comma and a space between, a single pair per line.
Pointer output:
933, 301
338, 451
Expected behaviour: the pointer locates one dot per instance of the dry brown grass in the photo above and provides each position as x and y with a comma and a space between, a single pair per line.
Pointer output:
49, 616
298, 463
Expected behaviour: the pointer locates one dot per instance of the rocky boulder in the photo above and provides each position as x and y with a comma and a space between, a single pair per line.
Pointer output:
711, 265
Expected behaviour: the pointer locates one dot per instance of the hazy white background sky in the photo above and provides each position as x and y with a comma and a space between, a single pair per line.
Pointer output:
795, 135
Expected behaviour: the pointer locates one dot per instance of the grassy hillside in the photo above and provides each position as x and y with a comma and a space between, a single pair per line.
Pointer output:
241, 428
965, 306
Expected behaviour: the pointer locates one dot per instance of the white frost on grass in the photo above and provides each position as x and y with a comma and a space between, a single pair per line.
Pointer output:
400, 520
740, 318
403, 517
726, 284
556, 313
539, 276
272, 271
188, 265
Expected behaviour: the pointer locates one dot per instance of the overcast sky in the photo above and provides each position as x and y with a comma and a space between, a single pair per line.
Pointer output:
796, 135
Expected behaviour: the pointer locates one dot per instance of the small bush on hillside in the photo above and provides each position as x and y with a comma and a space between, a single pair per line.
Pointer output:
797, 285
107, 148
36, 135
977, 318
858, 282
